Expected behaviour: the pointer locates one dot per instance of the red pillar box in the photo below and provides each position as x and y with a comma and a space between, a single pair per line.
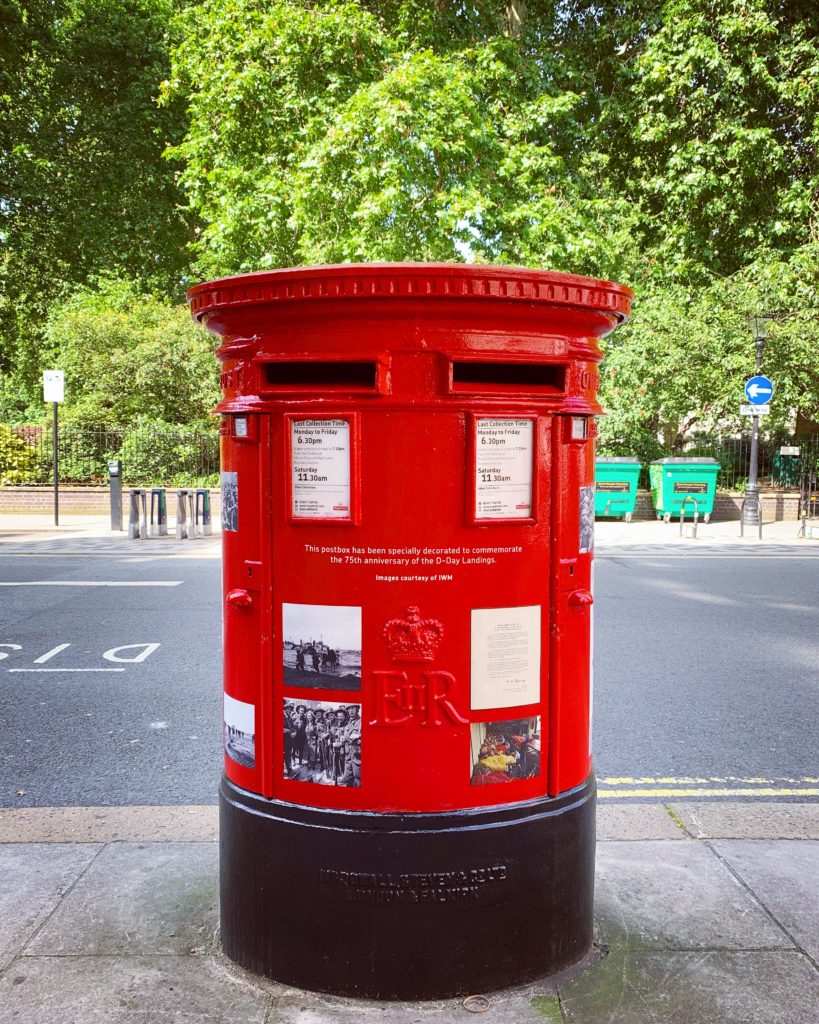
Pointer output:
407, 809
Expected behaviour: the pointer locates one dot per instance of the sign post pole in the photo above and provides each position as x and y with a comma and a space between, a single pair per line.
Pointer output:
758, 390
54, 442
54, 392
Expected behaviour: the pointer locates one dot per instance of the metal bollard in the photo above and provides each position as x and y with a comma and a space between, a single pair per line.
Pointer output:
137, 515
181, 514
203, 500
158, 526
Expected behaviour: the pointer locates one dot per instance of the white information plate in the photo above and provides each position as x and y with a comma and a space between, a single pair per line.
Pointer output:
503, 468
53, 386
754, 410
505, 657
320, 466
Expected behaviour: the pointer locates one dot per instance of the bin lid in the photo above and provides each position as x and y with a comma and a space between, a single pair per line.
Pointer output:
663, 462
618, 458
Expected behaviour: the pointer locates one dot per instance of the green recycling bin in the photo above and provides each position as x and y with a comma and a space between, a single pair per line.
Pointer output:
615, 485
683, 485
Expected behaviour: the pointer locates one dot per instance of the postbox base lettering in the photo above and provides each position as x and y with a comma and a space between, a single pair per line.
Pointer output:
399, 906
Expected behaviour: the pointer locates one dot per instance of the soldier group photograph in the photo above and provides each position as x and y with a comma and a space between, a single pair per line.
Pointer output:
322, 742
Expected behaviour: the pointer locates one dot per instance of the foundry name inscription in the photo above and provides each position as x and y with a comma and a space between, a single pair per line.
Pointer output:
430, 887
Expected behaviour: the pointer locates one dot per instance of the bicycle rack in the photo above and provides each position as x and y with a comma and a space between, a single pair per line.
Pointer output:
137, 514
158, 523
689, 497
203, 528
184, 498
758, 503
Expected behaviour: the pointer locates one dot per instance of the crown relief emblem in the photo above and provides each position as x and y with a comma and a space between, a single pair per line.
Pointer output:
413, 638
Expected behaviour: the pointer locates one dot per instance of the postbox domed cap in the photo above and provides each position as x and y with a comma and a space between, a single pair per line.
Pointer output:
408, 280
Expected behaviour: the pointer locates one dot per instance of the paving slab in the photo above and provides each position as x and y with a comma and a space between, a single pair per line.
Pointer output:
785, 878
138, 898
710, 987
762, 819
128, 990
33, 880
144, 824
636, 821
653, 895
530, 1004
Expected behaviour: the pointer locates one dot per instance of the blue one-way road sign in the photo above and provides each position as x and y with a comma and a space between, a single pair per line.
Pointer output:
759, 390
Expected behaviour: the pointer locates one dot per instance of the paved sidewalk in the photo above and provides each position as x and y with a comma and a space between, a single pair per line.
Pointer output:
705, 914
86, 534
27, 534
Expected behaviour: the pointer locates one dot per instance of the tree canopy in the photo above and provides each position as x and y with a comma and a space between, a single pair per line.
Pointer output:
129, 357
671, 145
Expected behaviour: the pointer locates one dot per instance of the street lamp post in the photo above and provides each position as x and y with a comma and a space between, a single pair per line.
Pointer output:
752, 509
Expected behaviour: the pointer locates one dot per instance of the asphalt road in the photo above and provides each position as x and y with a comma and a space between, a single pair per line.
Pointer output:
704, 667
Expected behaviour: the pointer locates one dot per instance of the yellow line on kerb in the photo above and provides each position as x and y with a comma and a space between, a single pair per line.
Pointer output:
688, 780
706, 791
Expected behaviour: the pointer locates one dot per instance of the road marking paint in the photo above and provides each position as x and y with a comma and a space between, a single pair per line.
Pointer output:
668, 780
145, 651
706, 791
209, 553
662, 556
91, 583
50, 654
66, 670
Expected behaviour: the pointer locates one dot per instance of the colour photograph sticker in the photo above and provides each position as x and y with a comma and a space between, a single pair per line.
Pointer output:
507, 751
322, 646
240, 731
322, 742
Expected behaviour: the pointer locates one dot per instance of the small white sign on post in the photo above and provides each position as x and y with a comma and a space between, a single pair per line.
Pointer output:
754, 410
53, 386
789, 449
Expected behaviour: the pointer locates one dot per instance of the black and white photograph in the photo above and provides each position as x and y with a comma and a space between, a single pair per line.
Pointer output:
586, 519
230, 502
322, 742
240, 732
505, 751
322, 646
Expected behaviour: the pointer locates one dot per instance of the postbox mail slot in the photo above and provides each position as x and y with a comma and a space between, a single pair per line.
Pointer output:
313, 374
471, 376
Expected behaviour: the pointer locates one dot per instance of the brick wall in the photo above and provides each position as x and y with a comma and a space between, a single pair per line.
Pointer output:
81, 500
776, 507
94, 501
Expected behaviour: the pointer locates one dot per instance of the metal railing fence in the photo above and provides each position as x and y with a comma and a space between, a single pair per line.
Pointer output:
173, 456
776, 471
189, 457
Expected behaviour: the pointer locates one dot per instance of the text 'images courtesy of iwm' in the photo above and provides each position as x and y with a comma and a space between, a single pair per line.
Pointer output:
505, 751
240, 732
322, 742
322, 646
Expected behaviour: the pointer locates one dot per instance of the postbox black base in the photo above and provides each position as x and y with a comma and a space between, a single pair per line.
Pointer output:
399, 906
